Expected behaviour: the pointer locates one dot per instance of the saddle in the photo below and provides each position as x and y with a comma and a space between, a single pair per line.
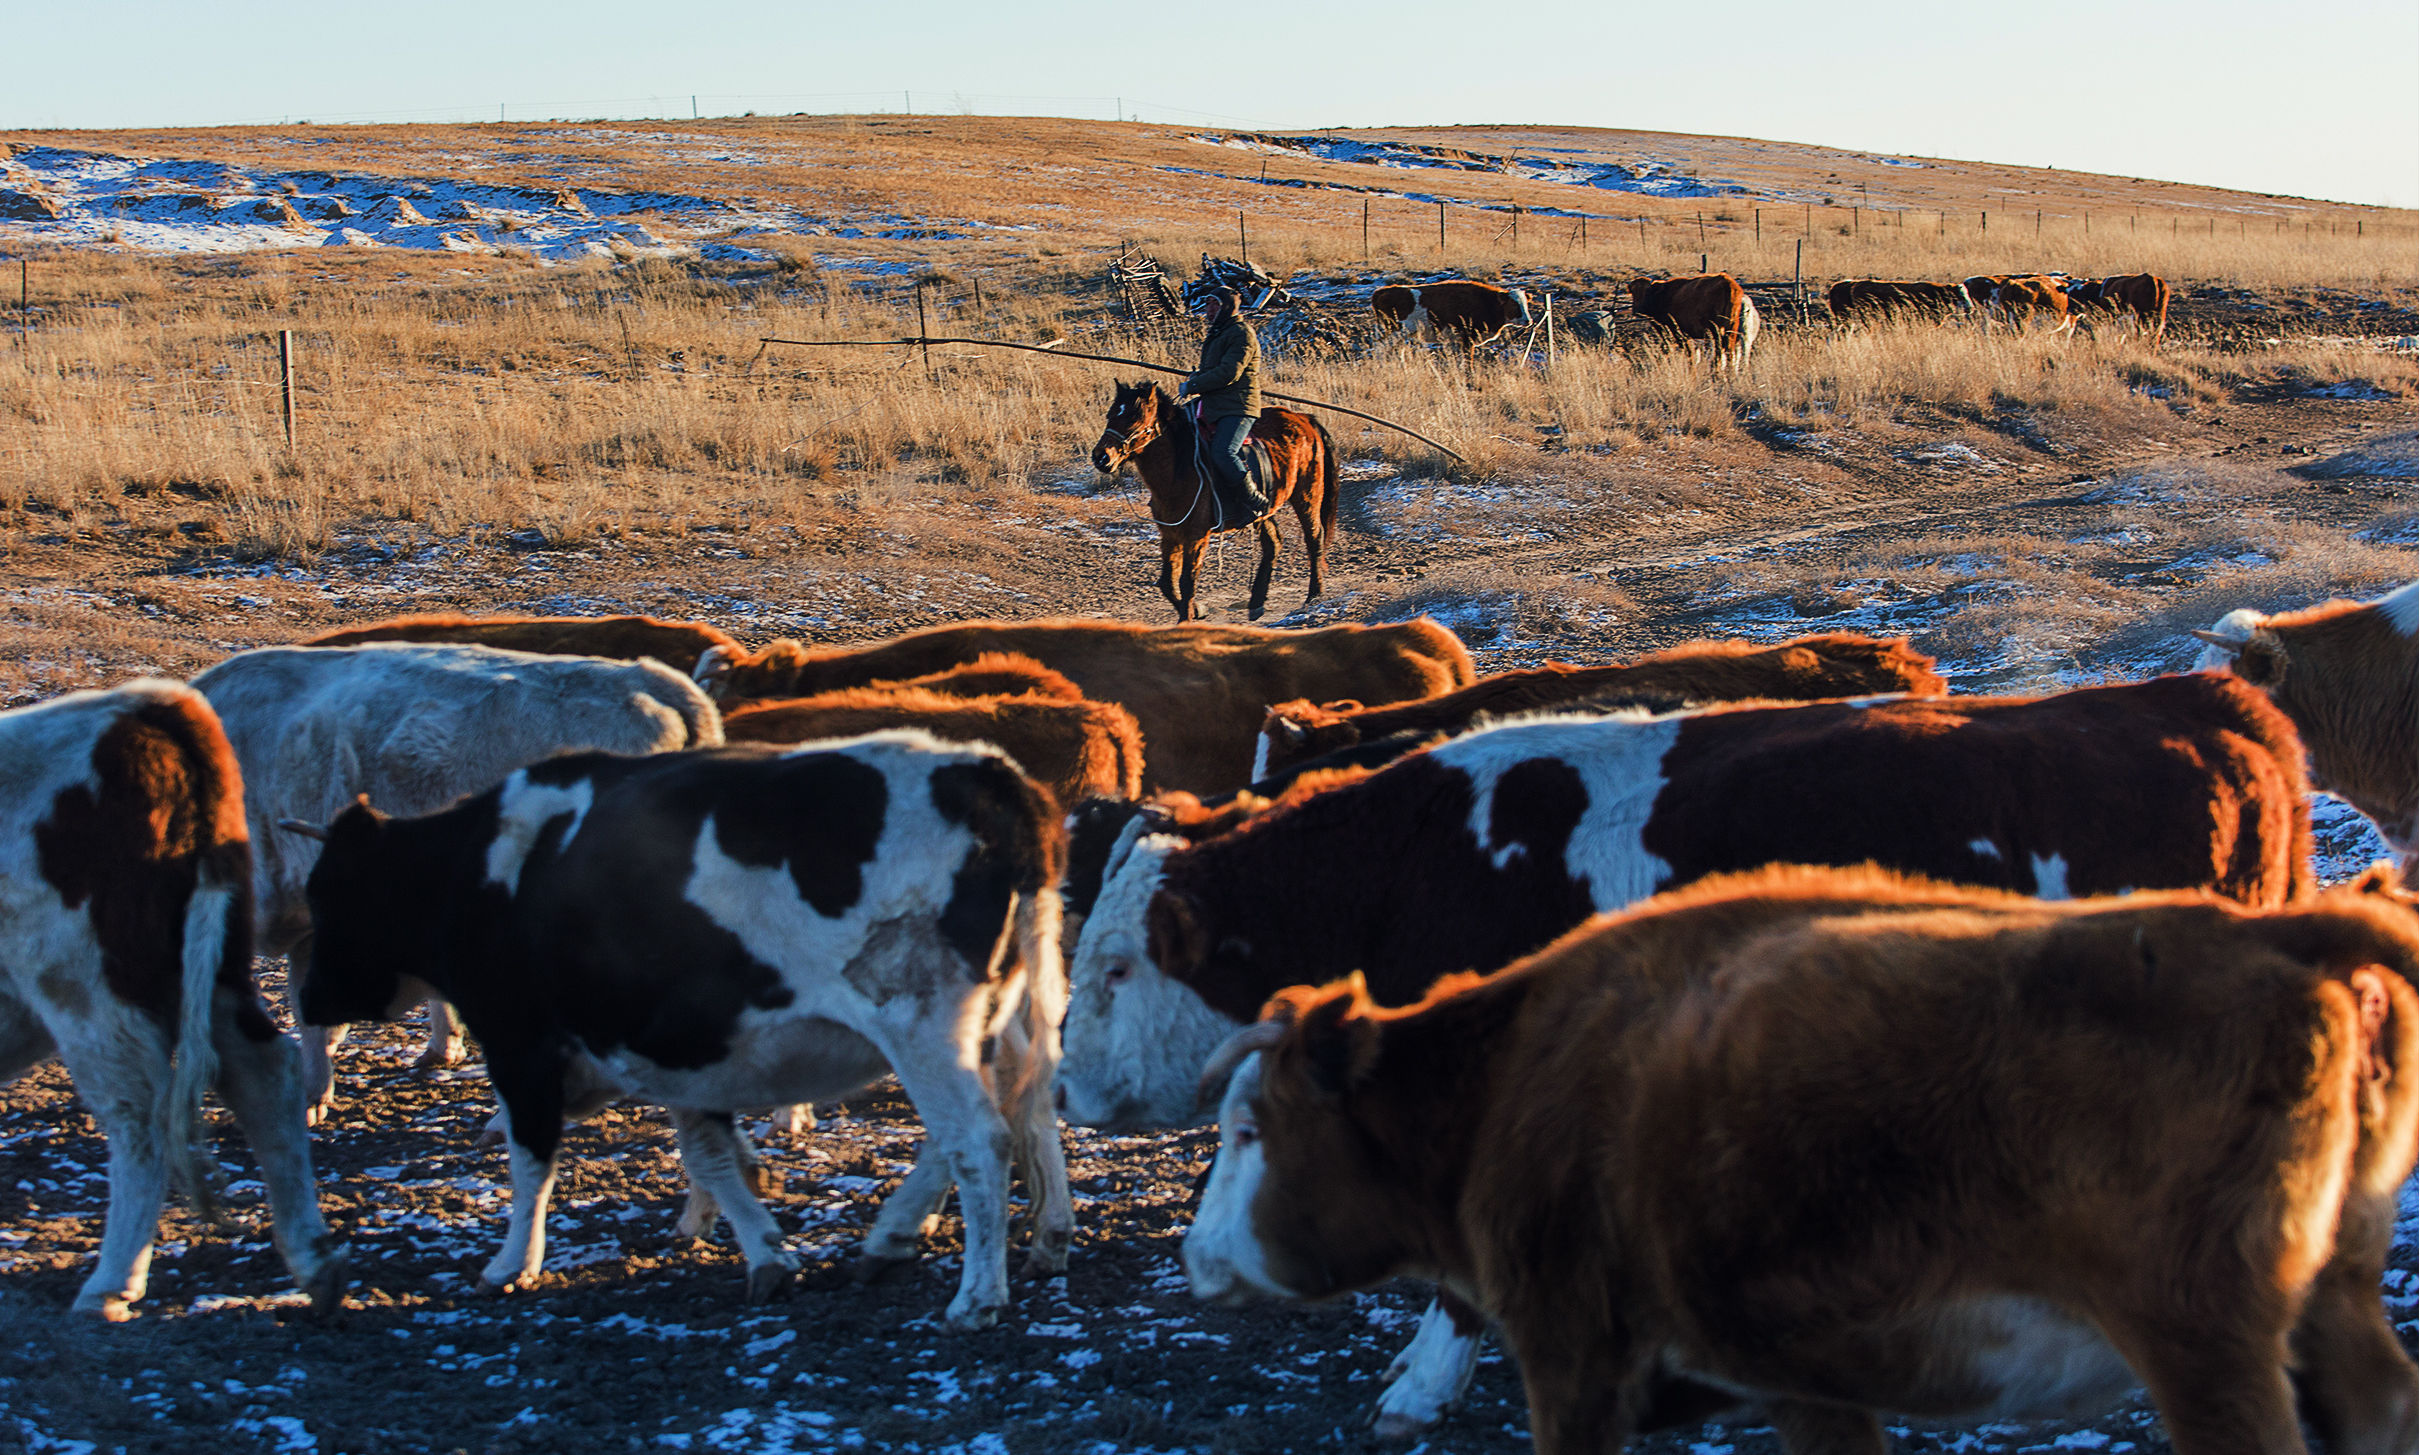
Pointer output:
1236, 509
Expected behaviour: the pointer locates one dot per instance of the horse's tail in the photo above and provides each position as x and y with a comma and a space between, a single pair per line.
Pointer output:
1329, 467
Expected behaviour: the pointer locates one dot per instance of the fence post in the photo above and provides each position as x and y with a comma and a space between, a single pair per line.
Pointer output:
1986, 227
285, 380
1798, 280
25, 308
1642, 232
1365, 229
1760, 227
1241, 240
1701, 234
923, 335
1701, 264
1550, 331
1441, 229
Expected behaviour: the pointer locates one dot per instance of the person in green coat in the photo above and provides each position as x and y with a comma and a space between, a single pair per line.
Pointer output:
1227, 384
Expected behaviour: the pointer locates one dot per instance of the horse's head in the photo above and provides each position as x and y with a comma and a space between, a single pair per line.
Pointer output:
1134, 422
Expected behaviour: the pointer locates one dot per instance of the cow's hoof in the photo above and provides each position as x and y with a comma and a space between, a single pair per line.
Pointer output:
437, 1058
970, 1320
110, 1310
315, 1112
1045, 1258
326, 1285
1395, 1427
768, 1281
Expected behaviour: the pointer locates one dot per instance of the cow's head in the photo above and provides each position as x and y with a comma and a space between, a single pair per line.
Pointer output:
1291, 732
364, 930
1296, 1206
1135, 1037
1521, 301
1639, 289
2243, 643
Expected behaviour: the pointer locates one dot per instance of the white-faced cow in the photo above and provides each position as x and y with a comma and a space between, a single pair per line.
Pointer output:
733, 928
1456, 308
1711, 307
1802, 1146
2021, 300
676, 644
415, 727
2138, 300
2348, 674
1196, 691
126, 951
1470, 854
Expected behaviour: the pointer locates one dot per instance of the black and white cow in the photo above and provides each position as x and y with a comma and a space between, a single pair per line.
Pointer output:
126, 950
414, 726
1469, 854
728, 929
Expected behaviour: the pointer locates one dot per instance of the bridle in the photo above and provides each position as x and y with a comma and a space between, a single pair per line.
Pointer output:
1131, 445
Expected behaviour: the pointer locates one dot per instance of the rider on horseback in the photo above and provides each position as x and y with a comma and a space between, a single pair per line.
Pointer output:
1227, 384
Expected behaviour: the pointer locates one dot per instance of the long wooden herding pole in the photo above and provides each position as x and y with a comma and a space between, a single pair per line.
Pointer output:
993, 343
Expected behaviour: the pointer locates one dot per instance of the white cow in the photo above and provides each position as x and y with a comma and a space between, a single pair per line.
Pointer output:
415, 727
126, 950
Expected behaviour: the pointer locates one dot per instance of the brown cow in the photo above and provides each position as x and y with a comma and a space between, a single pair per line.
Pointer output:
1895, 298
1076, 750
1708, 306
996, 674
2346, 673
1803, 1145
676, 644
1837, 664
2140, 299
1197, 691
2020, 299
1458, 308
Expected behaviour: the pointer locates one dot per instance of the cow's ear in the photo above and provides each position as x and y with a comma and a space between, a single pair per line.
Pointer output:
1339, 1040
1174, 935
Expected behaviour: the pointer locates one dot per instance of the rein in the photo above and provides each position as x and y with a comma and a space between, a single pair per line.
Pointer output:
1201, 474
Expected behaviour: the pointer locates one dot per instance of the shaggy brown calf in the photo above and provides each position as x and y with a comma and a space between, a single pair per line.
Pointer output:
2347, 674
1075, 749
676, 644
1197, 691
1751, 1145
1837, 664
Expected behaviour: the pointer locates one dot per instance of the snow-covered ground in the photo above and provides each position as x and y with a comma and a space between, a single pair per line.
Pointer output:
1566, 166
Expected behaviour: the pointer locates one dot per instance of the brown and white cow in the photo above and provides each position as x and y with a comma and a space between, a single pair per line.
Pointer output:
1802, 1146
126, 951
726, 929
1077, 750
1473, 853
415, 726
1467, 312
1853, 298
2021, 300
1708, 306
1835, 664
676, 644
2348, 674
2140, 300
1197, 691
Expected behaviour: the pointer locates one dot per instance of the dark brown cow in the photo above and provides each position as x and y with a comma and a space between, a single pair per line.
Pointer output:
1708, 306
2347, 674
677, 644
2140, 299
1197, 691
1825, 1143
1853, 298
1837, 664
1458, 308
1077, 750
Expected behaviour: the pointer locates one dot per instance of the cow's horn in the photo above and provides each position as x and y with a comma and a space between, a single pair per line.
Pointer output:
1258, 1036
307, 830
2224, 643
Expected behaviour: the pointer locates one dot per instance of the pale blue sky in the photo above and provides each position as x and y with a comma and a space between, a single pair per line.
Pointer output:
2310, 100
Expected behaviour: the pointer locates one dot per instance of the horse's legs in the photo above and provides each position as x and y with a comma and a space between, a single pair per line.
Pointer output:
1307, 510
1188, 570
1170, 546
1267, 531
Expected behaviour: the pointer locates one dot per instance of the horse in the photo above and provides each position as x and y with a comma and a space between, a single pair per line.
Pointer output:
1150, 430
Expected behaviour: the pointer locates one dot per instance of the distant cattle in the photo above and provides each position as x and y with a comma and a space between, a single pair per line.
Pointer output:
1077, 750
2348, 674
2138, 299
415, 727
2021, 301
1853, 298
126, 951
1798, 1147
732, 928
1837, 664
1458, 308
1474, 852
1197, 691
1707, 306
676, 644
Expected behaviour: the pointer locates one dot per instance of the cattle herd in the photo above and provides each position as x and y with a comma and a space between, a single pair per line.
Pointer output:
1745, 1032
1712, 310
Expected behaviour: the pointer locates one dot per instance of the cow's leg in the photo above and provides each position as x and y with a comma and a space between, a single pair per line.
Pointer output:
318, 1043
909, 1213
1582, 1400
966, 1133
1267, 569
120, 1070
1808, 1429
1429, 1376
445, 1045
261, 1082
531, 1086
718, 1161
24, 1041
2220, 1391
2354, 1382
1033, 1123
1170, 549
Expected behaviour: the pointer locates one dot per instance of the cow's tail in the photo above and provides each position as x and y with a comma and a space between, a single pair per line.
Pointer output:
215, 911
1749, 321
1330, 471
